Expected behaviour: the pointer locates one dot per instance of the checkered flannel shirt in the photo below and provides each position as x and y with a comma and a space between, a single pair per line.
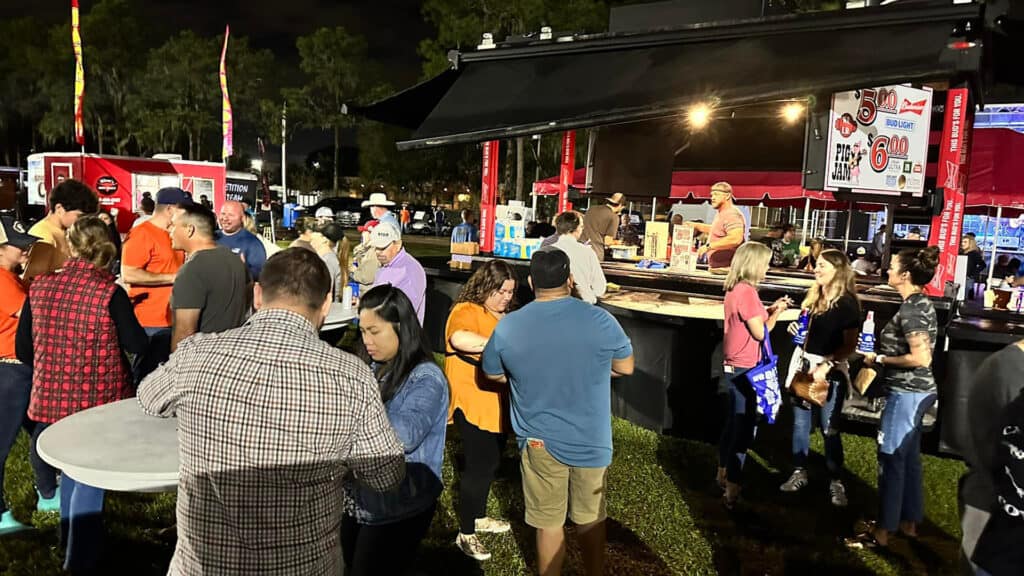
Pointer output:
270, 419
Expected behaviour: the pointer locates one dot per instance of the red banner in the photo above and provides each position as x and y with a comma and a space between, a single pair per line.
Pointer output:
566, 173
488, 195
954, 154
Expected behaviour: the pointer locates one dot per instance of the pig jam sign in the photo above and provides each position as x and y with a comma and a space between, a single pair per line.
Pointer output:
878, 140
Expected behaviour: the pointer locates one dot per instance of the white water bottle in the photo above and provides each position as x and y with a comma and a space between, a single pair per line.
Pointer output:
866, 341
346, 297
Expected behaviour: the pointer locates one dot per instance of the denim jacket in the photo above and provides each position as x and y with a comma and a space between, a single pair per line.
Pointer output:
419, 415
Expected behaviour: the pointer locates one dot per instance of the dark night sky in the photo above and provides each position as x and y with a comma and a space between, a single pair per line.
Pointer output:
393, 28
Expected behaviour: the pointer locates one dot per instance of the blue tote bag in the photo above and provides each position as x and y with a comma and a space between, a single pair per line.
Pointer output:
764, 379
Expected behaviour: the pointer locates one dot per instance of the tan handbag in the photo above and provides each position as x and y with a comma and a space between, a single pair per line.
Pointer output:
804, 386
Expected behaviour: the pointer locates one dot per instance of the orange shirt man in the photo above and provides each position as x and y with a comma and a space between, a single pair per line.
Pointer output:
149, 263
14, 243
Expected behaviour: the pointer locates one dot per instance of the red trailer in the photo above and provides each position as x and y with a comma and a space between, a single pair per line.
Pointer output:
121, 181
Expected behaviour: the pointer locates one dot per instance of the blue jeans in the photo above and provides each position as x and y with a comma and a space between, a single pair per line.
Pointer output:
900, 490
827, 418
740, 423
46, 475
15, 389
157, 352
81, 524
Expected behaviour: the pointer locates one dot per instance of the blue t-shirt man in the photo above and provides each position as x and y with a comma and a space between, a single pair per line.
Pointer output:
246, 243
557, 355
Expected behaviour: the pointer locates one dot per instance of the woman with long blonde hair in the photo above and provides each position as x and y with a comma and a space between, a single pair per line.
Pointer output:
747, 324
834, 312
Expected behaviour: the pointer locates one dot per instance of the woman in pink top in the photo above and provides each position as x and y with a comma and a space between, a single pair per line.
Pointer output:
747, 323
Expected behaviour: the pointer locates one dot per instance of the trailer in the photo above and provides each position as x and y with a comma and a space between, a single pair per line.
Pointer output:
121, 181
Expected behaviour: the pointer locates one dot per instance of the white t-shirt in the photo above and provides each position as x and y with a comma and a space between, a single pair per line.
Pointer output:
585, 268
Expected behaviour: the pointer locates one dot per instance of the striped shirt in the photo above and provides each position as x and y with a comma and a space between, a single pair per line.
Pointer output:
270, 420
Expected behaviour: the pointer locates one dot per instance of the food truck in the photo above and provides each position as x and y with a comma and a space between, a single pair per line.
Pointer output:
635, 86
121, 181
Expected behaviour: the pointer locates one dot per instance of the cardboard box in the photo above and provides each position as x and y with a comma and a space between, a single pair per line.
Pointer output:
656, 241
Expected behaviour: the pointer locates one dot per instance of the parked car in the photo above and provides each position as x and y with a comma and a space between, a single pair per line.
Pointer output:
347, 211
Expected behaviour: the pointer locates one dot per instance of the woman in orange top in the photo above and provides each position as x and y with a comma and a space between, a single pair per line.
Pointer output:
478, 408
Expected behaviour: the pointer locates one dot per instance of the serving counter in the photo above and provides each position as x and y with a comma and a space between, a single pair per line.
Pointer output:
676, 333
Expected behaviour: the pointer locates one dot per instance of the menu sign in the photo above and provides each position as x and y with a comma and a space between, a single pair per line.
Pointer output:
878, 140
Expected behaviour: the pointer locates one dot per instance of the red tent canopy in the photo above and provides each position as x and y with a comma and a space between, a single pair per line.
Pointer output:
997, 168
996, 177
696, 185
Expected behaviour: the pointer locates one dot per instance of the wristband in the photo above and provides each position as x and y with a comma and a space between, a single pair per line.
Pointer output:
880, 359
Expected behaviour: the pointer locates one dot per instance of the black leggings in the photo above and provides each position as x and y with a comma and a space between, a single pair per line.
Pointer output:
382, 548
481, 457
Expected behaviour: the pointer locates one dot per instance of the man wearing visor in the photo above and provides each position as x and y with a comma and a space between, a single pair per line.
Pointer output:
726, 232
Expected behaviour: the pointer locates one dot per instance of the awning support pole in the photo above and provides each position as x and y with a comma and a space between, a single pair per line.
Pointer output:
591, 138
536, 176
995, 245
849, 219
654, 207
807, 217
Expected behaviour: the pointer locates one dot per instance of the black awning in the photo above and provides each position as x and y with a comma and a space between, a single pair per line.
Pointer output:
505, 93
411, 106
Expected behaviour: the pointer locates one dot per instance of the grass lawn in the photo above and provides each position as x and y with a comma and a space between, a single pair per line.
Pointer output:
664, 518
663, 506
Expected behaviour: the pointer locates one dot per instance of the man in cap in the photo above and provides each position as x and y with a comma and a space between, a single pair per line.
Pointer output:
324, 215
398, 267
149, 264
602, 222
379, 209
15, 377
234, 236
364, 259
727, 231
558, 355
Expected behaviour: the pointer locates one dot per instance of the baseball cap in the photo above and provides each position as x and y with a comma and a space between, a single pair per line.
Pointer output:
370, 225
173, 195
324, 212
13, 232
549, 268
384, 234
861, 251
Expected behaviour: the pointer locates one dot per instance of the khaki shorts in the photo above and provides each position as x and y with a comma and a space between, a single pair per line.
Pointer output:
551, 489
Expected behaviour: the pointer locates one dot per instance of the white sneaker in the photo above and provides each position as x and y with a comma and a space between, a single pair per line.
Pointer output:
490, 525
471, 546
796, 481
837, 493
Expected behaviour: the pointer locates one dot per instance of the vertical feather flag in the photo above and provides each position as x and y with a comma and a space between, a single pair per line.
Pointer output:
227, 122
76, 43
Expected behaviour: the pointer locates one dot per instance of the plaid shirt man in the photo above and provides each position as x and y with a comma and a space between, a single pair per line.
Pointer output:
270, 419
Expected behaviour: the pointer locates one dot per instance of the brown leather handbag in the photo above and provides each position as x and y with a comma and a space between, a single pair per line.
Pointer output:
804, 386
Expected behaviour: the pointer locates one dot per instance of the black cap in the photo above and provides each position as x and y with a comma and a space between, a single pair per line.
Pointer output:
173, 195
13, 232
549, 268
